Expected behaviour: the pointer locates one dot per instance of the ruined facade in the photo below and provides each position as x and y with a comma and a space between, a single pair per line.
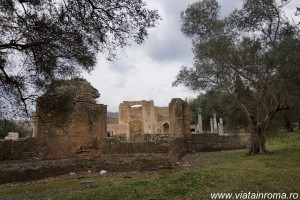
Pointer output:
142, 117
68, 118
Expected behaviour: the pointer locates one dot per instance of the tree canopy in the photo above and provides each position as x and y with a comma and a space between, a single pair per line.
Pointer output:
42, 40
221, 103
252, 54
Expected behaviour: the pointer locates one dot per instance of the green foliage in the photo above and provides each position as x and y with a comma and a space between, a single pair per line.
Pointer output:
11, 126
219, 102
42, 41
225, 171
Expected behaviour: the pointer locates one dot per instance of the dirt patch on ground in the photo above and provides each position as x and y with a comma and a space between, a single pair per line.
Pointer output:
23, 171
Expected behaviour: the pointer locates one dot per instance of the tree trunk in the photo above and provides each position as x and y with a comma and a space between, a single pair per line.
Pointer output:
258, 140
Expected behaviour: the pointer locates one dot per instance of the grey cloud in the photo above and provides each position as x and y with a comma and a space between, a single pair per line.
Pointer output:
166, 42
120, 82
170, 49
122, 66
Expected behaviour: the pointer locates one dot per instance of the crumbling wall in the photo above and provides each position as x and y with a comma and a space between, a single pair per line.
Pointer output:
136, 119
178, 148
22, 149
115, 146
162, 116
68, 117
216, 142
140, 117
175, 148
112, 125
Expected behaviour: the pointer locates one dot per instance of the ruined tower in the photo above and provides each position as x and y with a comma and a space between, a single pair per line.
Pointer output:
68, 117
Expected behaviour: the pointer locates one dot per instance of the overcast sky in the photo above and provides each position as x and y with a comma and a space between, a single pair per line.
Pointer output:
146, 72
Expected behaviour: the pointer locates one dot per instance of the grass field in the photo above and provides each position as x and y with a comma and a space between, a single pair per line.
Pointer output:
226, 171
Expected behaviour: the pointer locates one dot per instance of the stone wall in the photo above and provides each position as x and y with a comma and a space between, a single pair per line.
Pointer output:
115, 146
22, 149
141, 117
178, 148
175, 148
115, 156
216, 142
136, 117
179, 118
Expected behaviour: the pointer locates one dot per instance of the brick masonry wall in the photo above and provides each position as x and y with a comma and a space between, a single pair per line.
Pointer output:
115, 146
215, 142
179, 118
116, 156
178, 148
22, 149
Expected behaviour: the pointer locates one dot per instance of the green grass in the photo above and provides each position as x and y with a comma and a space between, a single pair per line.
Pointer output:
226, 171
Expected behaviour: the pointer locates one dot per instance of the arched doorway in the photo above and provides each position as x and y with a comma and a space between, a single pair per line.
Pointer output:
166, 128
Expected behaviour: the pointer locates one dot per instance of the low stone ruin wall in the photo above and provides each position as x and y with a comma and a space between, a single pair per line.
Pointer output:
22, 149
115, 146
23, 160
175, 148
216, 142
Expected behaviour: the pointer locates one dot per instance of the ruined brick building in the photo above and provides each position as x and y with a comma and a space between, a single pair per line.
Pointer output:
68, 117
138, 118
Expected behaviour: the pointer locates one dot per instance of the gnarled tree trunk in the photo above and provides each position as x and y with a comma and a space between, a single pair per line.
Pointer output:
258, 140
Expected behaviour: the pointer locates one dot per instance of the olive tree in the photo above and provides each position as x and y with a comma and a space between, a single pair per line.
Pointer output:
255, 45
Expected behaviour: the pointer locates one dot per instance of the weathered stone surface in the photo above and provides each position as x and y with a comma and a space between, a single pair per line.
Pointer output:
22, 149
115, 146
216, 142
179, 118
140, 117
68, 117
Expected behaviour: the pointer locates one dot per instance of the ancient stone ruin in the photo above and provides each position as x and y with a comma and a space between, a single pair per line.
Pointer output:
141, 120
68, 119
69, 123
